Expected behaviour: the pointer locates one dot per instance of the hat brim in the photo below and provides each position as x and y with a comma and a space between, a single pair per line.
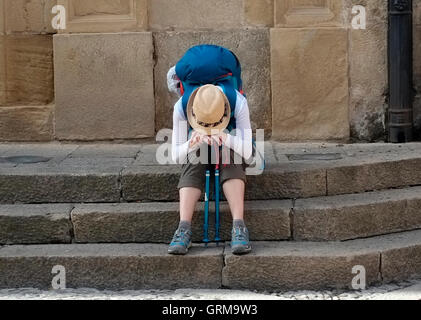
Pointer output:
207, 130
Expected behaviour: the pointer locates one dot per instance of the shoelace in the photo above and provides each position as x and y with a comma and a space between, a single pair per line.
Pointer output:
180, 235
240, 234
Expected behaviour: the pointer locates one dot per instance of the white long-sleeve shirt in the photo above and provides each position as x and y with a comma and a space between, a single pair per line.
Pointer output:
241, 142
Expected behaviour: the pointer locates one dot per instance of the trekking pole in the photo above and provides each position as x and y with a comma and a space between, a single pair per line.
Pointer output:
217, 220
217, 195
206, 224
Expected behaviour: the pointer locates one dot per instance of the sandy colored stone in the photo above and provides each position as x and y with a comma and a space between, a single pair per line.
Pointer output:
2, 71
2, 17
259, 13
196, 14
309, 84
26, 123
252, 49
104, 86
32, 16
105, 15
308, 13
29, 68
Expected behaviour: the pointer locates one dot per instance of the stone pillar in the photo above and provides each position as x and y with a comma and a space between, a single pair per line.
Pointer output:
26, 70
309, 56
104, 80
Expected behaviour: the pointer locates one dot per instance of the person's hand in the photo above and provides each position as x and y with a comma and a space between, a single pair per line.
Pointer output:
218, 139
197, 138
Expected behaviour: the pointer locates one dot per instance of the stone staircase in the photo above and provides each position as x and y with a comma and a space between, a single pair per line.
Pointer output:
107, 212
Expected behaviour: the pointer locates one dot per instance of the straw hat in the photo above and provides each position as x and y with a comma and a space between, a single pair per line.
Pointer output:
208, 110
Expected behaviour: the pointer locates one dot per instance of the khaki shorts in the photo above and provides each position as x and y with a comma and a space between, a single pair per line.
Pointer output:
193, 175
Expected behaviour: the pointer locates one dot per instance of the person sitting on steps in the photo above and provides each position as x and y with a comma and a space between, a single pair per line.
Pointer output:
212, 103
206, 105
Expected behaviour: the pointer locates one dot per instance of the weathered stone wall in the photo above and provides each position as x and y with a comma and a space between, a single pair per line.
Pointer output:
308, 75
116, 87
26, 70
368, 72
309, 54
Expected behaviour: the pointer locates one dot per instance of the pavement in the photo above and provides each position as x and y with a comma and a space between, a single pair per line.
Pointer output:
409, 290
88, 154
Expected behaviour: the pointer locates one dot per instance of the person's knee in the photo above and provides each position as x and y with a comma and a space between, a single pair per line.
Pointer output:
235, 182
190, 190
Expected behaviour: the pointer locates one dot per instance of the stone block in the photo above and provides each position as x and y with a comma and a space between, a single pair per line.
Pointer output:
373, 176
401, 264
104, 86
209, 15
105, 15
252, 49
33, 16
2, 17
111, 266
35, 224
297, 266
197, 14
26, 123
29, 69
401, 256
358, 215
308, 13
259, 13
309, 84
98, 182
156, 222
2, 70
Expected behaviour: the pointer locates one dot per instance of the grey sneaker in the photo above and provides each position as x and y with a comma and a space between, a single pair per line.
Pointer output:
181, 242
240, 243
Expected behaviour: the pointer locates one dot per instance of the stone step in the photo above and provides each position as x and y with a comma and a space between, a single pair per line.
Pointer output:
131, 222
271, 266
103, 176
351, 216
328, 218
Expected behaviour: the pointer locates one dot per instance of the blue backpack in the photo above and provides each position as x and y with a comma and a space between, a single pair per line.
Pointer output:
210, 64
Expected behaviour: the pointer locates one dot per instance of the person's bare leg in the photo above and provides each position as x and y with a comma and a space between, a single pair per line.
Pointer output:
234, 192
188, 200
